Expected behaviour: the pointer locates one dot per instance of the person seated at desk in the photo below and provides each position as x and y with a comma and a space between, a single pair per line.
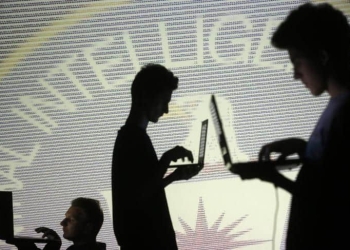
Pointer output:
82, 222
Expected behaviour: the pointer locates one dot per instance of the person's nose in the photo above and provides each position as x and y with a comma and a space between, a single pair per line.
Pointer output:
296, 74
63, 222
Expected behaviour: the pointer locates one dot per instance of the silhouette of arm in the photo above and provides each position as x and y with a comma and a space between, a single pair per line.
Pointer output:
50, 234
181, 173
285, 148
285, 183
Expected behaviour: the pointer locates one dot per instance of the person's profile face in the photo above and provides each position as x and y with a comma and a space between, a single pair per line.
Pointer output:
74, 223
158, 106
309, 71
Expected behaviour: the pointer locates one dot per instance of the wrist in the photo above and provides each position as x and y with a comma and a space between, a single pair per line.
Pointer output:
169, 179
164, 163
283, 182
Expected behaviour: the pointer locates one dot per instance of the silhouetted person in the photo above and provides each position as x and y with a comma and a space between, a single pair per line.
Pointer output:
141, 216
317, 38
82, 222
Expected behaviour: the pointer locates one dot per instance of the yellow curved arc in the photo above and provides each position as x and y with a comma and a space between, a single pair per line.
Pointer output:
48, 32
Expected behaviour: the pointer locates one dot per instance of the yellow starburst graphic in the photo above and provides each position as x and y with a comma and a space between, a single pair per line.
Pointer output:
205, 237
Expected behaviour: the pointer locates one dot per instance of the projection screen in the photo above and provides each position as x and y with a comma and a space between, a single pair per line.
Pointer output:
65, 72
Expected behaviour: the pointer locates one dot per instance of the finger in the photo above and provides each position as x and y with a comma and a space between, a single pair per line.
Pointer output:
186, 153
45, 234
41, 229
190, 156
48, 233
267, 154
51, 234
261, 153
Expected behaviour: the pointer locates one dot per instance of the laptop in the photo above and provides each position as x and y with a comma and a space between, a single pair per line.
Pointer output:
202, 145
244, 169
7, 222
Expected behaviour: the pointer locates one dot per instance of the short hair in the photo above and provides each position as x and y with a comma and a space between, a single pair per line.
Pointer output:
92, 209
152, 80
312, 28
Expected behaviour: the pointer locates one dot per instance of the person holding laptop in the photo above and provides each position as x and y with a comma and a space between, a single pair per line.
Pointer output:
141, 217
317, 38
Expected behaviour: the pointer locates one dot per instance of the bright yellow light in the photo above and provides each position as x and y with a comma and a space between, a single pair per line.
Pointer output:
52, 30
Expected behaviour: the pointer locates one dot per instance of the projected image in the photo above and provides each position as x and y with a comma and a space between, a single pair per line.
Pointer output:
66, 69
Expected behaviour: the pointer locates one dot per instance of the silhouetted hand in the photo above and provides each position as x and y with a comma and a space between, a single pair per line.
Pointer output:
268, 173
185, 173
175, 154
52, 235
285, 147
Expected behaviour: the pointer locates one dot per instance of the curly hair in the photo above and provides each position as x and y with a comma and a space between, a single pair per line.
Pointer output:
314, 28
151, 80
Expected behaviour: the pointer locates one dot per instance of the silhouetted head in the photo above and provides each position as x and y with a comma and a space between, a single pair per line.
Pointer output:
320, 34
151, 90
83, 220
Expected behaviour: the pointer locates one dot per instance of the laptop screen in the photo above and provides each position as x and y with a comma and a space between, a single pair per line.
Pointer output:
220, 132
203, 142
7, 222
244, 169
202, 146
6, 215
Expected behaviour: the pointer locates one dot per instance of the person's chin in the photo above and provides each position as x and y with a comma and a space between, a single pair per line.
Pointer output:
316, 92
66, 236
155, 119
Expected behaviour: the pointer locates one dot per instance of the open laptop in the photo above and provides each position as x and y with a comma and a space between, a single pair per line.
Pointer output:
202, 145
7, 222
244, 169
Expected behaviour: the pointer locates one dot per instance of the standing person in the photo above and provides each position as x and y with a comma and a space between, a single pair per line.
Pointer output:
141, 216
317, 38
